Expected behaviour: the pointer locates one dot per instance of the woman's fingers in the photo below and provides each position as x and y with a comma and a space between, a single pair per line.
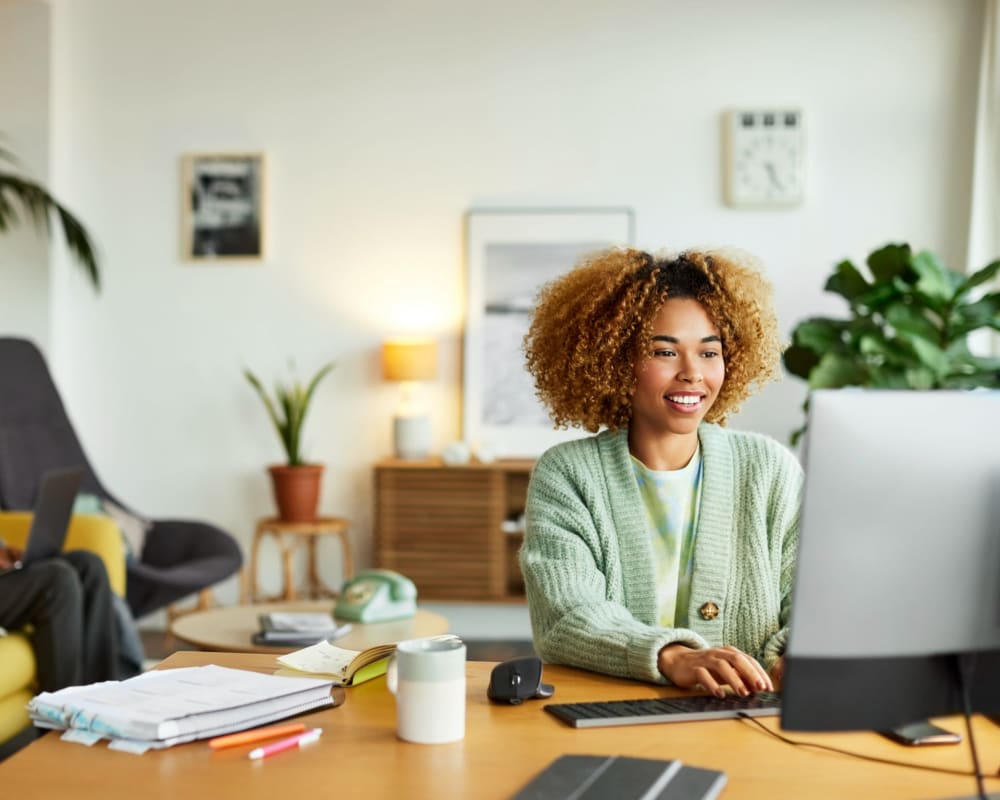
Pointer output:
705, 679
714, 668
755, 675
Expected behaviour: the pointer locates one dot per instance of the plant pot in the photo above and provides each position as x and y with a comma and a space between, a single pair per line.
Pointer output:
296, 491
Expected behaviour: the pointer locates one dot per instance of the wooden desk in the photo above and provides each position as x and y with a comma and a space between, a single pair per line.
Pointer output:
360, 756
229, 628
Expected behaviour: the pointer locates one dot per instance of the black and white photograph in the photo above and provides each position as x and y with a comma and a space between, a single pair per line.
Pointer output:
223, 199
510, 255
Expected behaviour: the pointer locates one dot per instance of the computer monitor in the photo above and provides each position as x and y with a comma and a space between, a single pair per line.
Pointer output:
898, 571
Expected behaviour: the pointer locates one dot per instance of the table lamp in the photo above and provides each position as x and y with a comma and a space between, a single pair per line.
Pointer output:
410, 361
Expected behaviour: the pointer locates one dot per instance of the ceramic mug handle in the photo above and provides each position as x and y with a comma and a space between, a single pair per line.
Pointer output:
391, 676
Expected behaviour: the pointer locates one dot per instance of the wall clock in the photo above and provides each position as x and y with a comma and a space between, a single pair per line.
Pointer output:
765, 158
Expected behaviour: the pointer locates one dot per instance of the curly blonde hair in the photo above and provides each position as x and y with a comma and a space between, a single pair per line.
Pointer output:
593, 325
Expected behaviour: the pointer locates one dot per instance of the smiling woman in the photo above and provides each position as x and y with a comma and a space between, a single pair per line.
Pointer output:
662, 548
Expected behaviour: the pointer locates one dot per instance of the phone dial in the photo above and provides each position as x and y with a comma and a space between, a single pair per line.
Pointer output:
376, 595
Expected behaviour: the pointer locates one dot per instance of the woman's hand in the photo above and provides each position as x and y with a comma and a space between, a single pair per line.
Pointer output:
9, 556
713, 668
778, 673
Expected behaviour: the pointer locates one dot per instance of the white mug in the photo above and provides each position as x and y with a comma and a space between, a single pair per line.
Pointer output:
428, 678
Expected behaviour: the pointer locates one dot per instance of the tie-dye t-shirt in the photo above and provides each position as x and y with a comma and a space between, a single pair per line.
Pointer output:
671, 501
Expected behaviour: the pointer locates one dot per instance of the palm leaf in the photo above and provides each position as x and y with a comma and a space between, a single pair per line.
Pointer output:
41, 206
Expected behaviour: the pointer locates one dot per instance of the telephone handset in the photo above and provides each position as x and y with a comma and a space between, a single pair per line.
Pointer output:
376, 595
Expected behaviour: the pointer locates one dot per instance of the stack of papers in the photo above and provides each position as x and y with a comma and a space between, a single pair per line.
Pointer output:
167, 707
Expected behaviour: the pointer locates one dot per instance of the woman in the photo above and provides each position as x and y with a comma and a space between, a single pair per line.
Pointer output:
662, 548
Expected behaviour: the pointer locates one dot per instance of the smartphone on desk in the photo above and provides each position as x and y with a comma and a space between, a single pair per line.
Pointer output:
917, 733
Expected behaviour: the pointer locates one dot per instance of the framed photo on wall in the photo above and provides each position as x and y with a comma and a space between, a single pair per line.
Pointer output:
222, 209
510, 255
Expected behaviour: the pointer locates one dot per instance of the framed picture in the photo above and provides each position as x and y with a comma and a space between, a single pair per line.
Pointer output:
222, 213
510, 255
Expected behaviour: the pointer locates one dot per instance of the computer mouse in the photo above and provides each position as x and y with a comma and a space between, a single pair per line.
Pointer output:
517, 680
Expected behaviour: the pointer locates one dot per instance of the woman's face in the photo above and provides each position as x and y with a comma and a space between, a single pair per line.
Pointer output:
680, 379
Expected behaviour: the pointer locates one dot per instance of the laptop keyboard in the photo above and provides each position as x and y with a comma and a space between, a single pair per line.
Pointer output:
665, 709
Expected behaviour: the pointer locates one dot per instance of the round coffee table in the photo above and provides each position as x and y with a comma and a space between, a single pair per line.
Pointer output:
229, 628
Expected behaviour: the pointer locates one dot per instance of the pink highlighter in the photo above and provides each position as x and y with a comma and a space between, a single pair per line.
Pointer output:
286, 744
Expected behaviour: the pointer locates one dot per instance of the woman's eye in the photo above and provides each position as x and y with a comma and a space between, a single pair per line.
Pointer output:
711, 354
662, 353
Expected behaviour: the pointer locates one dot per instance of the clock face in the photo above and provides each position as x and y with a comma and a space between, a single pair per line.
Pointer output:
765, 164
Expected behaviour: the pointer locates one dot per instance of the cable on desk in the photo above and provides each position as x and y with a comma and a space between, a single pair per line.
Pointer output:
966, 667
892, 762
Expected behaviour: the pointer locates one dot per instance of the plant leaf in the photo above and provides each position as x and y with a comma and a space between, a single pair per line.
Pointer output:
973, 380
288, 409
40, 205
834, 371
984, 313
980, 276
932, 357
879, 296
920, 378
889, 262
800, 361
819, 334
272, 412
878, 349
847, 281
935, 281
890, 377
972, 363
907, 318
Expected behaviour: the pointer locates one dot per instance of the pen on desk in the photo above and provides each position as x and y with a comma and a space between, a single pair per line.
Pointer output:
286, 744
256, 735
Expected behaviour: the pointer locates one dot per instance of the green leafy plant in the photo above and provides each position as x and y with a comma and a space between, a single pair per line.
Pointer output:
288, 409
909, 324
17, 191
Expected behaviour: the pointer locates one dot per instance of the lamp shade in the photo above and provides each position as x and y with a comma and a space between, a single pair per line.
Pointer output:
409, 359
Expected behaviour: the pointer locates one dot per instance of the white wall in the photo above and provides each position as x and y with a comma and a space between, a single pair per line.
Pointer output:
382, 123
24, 132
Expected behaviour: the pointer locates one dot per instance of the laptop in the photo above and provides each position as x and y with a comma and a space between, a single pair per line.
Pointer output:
51, 517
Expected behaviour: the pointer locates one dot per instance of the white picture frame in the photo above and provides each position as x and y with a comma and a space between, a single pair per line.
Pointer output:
510, 255
222, 206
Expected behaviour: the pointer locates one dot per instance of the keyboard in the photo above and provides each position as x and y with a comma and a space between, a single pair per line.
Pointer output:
665, 709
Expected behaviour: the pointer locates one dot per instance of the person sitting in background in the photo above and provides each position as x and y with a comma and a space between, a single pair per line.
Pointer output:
68, 602
661, 548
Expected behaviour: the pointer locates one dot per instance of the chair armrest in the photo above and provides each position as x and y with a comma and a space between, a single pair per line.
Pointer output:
94, 532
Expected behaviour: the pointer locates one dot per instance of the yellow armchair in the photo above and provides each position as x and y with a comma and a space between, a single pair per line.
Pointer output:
17, 661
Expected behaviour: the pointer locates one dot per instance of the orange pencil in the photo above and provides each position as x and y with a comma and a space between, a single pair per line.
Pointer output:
246, 737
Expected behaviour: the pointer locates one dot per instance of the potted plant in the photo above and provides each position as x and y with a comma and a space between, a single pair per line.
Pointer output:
908, 327
40, 205
296, 484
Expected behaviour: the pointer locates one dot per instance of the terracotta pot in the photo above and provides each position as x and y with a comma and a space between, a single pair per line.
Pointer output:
296, 491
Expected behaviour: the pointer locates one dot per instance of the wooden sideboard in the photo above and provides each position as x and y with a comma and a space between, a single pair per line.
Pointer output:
444, 526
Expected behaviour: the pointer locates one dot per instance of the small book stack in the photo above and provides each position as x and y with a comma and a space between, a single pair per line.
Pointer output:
162, 708
297, 627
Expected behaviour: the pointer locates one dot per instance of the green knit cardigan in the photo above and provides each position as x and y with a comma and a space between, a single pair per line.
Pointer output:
587, 556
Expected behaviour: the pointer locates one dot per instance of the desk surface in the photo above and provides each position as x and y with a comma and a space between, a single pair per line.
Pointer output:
229, 628
504, 747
